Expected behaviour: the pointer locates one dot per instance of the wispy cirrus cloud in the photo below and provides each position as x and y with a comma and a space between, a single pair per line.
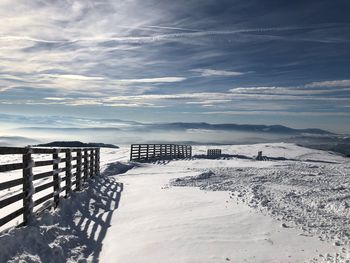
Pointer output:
275, 98
278, 113
105, 55
329, 84
153, 80
215, 72
74, 77
317, 89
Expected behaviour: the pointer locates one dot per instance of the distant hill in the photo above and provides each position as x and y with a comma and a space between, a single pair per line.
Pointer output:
117, 125
278, 129
76, 144
339, 144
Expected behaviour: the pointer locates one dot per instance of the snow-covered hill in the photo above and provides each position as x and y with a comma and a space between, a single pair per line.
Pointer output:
296, 210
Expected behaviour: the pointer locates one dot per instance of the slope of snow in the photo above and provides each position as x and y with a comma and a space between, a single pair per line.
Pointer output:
312, 197
134, 215
285, 150
156, 223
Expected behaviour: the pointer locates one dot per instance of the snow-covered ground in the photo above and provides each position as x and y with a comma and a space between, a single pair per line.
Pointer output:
268, 211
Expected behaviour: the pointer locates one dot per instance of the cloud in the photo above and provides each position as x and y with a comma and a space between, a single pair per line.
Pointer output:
273, 98
317, 89
213, 72
181, 35
74, 77
330, 83
139, 55
153, 80
31, 39
173, 28
55, 99
282, 113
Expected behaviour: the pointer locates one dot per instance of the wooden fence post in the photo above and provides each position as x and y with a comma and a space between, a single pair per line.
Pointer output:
56, 178
28, 188
147, 154
92, 163
68, 172
97, 162
86, 165
93, 153
78, 176
139, 155
131, 151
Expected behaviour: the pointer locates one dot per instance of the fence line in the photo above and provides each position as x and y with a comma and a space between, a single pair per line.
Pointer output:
213, 152
150, 152
89, 163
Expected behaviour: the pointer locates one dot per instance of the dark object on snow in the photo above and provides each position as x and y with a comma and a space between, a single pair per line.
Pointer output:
117, 168
224, 156
76, 144
260, 156
214, 152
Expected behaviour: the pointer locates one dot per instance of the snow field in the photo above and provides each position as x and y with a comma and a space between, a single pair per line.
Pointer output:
158, 223
247, 211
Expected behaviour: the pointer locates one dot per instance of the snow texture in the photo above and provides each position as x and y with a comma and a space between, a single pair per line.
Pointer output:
295, 207
313, 197
119, 168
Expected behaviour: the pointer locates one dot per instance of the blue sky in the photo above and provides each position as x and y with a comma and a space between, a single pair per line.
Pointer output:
255, 62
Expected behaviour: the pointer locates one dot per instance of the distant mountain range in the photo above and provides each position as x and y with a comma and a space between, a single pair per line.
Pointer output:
76, 144
75, 124
110, 126
280, 129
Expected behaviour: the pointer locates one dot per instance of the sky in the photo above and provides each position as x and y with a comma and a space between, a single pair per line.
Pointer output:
218, 61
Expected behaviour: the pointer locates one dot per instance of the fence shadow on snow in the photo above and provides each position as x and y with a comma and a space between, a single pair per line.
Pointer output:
96, 215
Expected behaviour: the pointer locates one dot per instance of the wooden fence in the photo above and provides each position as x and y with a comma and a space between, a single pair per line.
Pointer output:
78, 166
214, 152
151, 152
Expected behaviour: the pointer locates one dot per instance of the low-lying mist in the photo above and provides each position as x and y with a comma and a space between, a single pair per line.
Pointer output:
29, 131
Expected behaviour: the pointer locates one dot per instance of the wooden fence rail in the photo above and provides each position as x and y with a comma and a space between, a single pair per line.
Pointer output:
77, 168
150, 152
